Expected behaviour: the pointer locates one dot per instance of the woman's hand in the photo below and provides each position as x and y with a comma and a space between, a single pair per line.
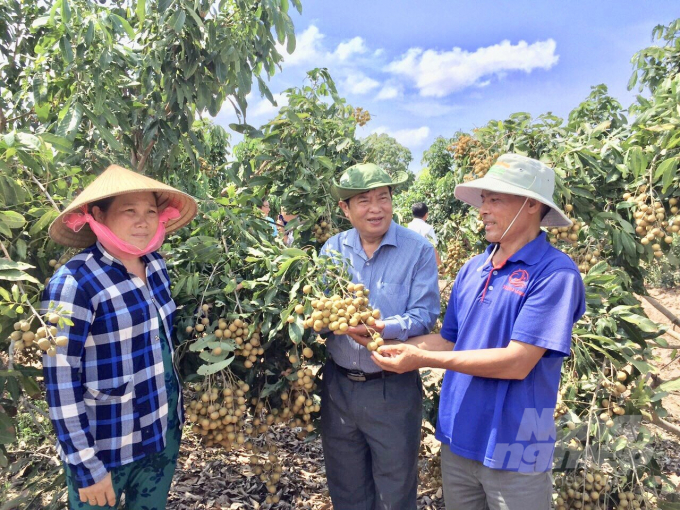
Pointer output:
99, 494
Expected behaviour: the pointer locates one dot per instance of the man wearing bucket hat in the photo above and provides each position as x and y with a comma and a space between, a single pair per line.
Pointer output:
506, 330
371, 419
113, 393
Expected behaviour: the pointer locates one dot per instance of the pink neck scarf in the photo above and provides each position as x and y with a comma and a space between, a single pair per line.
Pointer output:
115, 245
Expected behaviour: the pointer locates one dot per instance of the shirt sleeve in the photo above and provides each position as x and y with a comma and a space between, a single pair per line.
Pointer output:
553, 306
433, 237
64, 389
449, 329
423, 304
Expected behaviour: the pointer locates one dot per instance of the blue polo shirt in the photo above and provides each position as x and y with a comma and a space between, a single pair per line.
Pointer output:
535, 298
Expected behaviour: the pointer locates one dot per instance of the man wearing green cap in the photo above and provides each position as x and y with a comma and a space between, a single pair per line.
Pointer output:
371, 419
506, 331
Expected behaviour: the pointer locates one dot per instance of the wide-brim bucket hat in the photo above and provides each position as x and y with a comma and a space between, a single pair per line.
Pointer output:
114, 181
517, 175
362, 178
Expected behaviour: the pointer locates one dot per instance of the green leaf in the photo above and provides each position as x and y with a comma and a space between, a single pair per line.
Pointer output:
65, 11
620, 443
12, 219
43, 222
295, 332
645, 324
10, 264
326, 161
61, 143
43, 111
7, 431
124, 24
12, 275
30, 386
196, 18
70, 122
177, 21
637, 161
11, 193
66, 49
668, 170
89, 35
103, 132
673, 385
215, 367
21, 247
202, 343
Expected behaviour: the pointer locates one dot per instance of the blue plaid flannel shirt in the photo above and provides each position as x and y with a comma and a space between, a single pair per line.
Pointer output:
106, 388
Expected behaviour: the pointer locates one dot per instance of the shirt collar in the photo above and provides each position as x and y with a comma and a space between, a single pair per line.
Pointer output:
109, 259
354, 241
531, 253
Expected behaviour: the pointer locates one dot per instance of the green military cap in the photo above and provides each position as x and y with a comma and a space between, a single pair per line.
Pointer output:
362, 178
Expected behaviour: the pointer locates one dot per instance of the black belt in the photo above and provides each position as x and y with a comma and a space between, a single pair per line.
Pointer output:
359, 376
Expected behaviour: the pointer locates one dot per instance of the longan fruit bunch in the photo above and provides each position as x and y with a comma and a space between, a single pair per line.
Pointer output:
45, 338
478, 158
361, 116
566, 234
246, 338
338, 312
651, 222
323, 231
582, 490
220, 415
586, 257
56, 264
456, 256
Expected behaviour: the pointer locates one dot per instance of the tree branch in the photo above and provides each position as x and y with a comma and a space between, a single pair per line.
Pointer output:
673, 334
669, 315
145, 156
42, 188
663, 424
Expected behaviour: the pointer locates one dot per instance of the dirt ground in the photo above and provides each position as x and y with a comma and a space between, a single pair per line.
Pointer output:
212, 479
667, 447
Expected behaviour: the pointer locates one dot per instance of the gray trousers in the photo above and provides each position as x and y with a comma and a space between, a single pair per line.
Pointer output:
370, 433
470, 485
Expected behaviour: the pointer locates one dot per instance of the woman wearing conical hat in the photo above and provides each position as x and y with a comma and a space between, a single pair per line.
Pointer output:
113, 393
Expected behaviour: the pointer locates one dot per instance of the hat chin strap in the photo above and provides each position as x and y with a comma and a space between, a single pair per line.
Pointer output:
497, 244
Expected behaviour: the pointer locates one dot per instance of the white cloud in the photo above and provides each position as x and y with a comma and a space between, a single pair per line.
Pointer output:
430, 109
438, 74
388, 92
265, 108
308, 48
357, 83
407, 137
352, 47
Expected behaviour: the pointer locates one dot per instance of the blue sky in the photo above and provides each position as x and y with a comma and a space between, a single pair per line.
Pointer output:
430, 68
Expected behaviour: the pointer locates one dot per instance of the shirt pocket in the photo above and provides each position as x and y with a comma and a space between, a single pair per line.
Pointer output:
392, 298
120, 394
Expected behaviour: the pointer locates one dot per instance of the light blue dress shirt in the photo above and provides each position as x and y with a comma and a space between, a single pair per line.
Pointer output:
403, 283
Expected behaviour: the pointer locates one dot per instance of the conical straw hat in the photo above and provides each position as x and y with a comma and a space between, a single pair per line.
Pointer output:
117, 180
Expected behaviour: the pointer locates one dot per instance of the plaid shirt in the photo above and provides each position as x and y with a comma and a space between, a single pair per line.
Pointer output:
106, 388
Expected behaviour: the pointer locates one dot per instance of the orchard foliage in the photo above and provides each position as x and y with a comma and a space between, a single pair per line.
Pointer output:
83, 85
618, 180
